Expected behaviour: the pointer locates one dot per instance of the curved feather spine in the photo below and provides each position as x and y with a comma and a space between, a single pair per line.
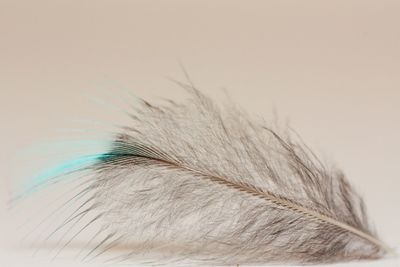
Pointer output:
144, 151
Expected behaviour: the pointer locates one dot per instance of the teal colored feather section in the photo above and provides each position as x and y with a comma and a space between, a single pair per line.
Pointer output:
61, 171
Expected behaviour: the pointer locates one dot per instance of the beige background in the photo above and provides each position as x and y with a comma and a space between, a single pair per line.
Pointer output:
330, 67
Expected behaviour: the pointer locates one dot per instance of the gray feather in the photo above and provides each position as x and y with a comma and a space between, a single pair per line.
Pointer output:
209, 184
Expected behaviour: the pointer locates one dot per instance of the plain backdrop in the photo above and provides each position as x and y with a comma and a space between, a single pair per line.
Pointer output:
330, 68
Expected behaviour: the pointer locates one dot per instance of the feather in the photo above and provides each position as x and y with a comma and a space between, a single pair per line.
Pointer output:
200, 182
